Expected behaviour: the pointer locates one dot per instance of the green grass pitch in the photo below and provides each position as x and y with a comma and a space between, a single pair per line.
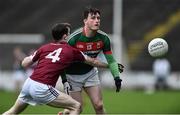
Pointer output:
125, 102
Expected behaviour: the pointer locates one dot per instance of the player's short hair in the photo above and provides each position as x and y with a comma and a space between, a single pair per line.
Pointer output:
90, 10
59, 29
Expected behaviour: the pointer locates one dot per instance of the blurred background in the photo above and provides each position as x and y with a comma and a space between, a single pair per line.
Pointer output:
150, 85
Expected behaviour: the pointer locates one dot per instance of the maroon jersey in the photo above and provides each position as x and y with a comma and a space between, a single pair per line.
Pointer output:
52, 59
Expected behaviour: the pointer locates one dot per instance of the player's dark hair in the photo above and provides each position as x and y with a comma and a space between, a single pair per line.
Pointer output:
59, 29
90, 10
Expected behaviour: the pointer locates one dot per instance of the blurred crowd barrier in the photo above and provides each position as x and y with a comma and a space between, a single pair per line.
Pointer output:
131, 80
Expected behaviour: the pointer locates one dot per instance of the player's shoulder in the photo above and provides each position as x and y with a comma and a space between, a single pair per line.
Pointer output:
46, 45
103, 35
43, 46
77, 32
70, 49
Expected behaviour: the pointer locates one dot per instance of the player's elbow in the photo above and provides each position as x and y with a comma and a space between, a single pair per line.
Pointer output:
26, 62
23, 63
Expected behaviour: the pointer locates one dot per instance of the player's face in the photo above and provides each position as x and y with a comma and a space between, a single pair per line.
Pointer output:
93, 21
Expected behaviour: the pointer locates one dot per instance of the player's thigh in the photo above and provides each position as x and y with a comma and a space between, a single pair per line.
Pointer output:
85, 80
92, 79
94, 92
76, 82
77, 96
64, 101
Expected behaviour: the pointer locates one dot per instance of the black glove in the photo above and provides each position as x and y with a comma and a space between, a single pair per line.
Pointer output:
117, 83
120, 67
67, 86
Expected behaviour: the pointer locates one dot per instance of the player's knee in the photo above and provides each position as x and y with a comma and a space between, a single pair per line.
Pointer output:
99, 106
77, 106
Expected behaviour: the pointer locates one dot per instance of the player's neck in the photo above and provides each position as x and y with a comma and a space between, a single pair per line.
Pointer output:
62, 40
88, 32
59, 41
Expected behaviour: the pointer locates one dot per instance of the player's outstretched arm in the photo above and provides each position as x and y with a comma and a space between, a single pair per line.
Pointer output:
115, 69
95, 62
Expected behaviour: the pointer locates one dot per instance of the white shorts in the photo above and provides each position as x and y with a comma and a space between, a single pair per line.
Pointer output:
86, 80
35, 93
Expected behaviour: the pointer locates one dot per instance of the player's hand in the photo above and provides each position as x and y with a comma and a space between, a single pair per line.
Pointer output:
120, 67
67, 87
117, 83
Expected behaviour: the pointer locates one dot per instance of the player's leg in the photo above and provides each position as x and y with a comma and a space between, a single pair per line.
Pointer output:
93, 89
22, 100
47, 94
17, 108
76, 82
78, 97
67, 102
94, 92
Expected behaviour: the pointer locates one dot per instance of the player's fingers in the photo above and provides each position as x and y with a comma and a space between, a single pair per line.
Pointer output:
121, 70
120, 65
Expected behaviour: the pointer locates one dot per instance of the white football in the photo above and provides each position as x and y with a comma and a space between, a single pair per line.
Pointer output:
157, 47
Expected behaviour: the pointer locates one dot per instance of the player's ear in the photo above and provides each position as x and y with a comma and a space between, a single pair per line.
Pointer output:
84, 21
64, 37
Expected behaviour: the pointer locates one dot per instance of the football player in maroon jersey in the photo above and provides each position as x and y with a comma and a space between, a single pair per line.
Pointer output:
52, 59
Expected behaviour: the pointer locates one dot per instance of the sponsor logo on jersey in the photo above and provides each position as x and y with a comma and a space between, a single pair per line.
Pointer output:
89, 46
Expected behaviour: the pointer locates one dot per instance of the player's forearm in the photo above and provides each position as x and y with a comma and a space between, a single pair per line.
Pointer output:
100, 64
95, 62
113, 66
114, 69
27, 61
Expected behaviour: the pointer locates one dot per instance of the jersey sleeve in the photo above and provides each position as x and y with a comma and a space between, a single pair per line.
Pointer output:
35, 56
78, 56
107, 46
112, 65
109, 57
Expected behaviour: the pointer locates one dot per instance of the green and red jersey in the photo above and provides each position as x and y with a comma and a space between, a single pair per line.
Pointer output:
90, 46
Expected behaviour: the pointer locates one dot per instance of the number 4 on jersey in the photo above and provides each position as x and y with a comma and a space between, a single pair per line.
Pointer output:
54, 55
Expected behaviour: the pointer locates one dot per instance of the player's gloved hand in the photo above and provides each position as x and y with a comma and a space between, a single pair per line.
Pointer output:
67, 86
117, 83
120, 67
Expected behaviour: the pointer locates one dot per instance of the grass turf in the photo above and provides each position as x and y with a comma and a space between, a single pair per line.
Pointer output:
125, 102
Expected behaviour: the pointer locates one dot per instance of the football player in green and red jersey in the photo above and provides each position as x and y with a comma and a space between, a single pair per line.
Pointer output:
91, 41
